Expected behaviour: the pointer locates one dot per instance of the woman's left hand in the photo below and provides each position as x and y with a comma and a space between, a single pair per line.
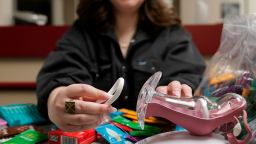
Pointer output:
175, 88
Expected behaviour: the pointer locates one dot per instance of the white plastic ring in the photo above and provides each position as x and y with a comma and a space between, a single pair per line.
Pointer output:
115, 91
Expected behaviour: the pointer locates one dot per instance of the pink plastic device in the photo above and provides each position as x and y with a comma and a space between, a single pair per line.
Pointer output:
199, 115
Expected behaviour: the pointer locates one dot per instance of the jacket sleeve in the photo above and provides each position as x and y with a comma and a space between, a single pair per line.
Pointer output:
182, 61
69, 63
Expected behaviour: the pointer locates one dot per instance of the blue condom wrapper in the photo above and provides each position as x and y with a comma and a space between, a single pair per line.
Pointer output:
112, 133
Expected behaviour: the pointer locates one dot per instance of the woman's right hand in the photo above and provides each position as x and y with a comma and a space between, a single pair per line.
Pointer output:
88, 113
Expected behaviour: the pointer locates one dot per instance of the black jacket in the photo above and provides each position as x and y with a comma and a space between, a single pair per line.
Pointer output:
86, 56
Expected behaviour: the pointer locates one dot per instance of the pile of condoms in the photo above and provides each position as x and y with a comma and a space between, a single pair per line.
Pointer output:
18, 124
122, 128
22, 124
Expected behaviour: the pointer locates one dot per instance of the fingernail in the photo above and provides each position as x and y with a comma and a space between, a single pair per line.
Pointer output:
107, 95
113, 109
176, 93
100, 121
189, 95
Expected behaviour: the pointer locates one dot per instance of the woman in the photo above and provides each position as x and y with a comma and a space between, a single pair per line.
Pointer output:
115, 38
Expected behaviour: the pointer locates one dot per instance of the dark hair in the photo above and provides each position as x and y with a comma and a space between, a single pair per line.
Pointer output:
153, 14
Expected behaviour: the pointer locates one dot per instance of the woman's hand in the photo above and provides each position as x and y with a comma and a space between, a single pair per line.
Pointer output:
175, 88
88, 114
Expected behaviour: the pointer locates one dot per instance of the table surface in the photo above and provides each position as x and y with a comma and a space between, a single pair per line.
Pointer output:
183, 137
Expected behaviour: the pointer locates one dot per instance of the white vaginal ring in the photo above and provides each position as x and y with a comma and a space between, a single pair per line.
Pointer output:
115, 90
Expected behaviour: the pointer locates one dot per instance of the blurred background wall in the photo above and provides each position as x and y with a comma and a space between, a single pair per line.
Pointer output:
62, 13
6, 12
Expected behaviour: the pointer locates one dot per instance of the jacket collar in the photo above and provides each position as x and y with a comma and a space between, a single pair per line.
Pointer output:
139, 36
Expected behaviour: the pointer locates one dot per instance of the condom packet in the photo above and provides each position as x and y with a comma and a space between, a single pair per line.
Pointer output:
135, 125
112, 133
11, 131
114, 114
130, 114
179, 128
4, 140
141, 133
133, 139
28, 137
122, 127
149, 120
127, 111
21, 114
3, 124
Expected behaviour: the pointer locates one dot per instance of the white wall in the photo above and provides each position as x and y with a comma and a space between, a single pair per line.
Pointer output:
63, 11
251, 6
6, 12
17, 96
200, 11
18, 70
209, 11
58, 12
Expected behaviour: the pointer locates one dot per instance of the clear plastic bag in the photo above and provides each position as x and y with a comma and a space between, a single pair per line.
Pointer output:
233, 67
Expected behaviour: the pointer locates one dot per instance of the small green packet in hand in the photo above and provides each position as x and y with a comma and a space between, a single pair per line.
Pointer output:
135, 125
28, 137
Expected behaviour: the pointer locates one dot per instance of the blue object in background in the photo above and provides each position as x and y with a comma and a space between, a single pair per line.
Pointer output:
114, 114
21, 114
207, 91
112, 134
179, 128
